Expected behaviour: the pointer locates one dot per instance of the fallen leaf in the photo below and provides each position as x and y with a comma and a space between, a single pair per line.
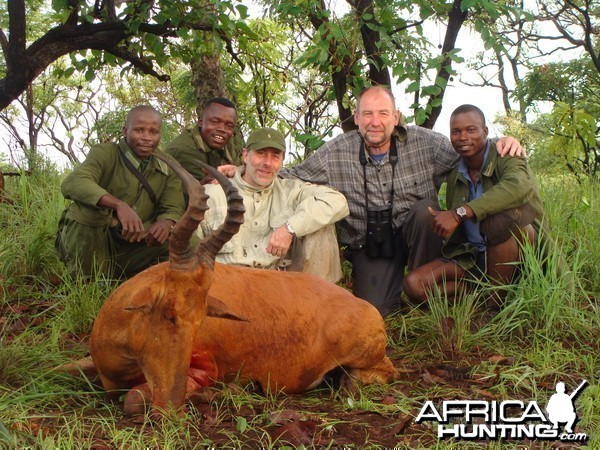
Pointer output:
429, 378
499, 359
450, 373
280, 417
100, 446
401, 425
485, 393
389, 400
298, 432
448, 324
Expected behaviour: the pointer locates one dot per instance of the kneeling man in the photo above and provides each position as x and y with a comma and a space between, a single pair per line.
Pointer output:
493, 202
288, 223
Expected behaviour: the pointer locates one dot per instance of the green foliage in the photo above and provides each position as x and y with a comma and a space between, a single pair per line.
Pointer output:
574, 134
263, 53
547, 328
569, 82
568, 136
36, 209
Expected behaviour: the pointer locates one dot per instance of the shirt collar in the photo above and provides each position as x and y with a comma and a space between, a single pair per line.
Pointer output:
462, 166
199, 141
133, 158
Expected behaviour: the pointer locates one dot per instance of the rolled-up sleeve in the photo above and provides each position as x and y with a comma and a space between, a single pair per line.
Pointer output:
316, 206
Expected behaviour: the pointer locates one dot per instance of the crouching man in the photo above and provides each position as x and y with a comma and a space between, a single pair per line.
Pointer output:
493, 203
288, 224
125, 201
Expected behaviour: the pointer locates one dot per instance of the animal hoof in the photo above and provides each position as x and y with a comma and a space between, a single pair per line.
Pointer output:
138, 400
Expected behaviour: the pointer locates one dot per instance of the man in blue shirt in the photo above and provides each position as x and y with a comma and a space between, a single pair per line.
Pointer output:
493, 204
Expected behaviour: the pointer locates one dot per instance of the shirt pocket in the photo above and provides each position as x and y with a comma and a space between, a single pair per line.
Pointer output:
418, 185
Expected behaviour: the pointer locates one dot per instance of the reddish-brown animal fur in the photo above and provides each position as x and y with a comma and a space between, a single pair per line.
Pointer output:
299, 327
154, 328
146, 329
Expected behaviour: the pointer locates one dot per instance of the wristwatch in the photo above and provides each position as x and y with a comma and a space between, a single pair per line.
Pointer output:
290, 229
461, 212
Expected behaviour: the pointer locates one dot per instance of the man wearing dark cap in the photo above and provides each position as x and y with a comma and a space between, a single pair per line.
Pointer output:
280, 214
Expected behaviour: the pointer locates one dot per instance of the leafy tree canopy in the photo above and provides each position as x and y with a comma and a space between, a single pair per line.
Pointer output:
140, 35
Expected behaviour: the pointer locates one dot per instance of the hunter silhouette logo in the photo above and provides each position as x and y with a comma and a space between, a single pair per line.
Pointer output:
561, 407
509, 419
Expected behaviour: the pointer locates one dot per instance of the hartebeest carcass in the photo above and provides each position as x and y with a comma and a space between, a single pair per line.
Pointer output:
296, 328
145, 331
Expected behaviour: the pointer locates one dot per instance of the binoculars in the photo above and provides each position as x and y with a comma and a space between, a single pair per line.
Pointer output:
379, 242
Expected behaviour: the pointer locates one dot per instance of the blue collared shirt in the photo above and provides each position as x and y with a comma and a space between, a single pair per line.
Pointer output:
471, 228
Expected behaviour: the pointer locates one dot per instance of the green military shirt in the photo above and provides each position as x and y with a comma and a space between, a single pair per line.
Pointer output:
103, 172
188, 148
507, 183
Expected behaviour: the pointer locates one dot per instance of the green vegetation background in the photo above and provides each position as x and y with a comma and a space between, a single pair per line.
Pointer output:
548, 332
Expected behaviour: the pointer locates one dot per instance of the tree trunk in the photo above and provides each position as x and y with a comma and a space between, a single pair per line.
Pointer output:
378, 72
207, 79
456, 18
208, 82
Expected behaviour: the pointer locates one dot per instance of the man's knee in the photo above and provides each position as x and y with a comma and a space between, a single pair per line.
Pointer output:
419, 212
319, 254
498, 228
413, 287
377, 280
83, 255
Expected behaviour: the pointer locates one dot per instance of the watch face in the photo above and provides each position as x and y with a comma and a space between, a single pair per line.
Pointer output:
461, 211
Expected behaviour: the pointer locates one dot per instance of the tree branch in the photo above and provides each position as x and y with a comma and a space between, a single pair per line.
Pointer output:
144, 66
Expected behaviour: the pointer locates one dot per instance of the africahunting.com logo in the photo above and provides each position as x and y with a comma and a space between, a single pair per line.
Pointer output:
510, 419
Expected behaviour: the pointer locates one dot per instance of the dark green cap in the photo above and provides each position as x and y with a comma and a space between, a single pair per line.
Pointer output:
265, 138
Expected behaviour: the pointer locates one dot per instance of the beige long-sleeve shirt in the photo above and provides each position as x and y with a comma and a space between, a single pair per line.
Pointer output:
307, 207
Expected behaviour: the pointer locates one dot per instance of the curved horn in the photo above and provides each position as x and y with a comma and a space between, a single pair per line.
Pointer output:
181, 254
210, 246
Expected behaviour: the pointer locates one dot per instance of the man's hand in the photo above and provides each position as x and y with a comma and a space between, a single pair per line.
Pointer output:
228, 170
280, 241
508, 145
159, 232
132, 225
444, 222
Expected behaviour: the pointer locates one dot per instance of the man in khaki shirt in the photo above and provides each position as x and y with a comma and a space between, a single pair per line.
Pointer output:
281, 214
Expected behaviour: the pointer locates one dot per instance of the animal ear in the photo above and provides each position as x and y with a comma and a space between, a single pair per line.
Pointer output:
216, 308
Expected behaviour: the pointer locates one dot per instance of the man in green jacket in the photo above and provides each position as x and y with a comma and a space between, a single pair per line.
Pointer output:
125, 202
209, 141
493, 203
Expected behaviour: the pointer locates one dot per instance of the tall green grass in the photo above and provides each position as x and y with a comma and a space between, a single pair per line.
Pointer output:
547, 330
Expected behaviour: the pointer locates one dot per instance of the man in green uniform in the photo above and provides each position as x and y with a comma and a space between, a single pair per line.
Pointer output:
209, 141
493, 205
125, 202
